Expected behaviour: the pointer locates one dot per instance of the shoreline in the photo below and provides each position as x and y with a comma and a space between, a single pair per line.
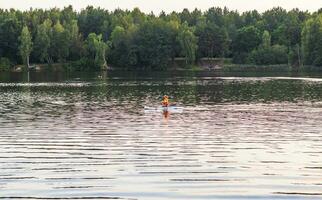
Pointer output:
62, 67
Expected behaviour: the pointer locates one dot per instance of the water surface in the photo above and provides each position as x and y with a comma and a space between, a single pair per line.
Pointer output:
88, 136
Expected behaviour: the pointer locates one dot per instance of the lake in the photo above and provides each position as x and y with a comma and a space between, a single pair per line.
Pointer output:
91, 136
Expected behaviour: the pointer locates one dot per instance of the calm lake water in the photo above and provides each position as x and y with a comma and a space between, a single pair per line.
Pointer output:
237, 136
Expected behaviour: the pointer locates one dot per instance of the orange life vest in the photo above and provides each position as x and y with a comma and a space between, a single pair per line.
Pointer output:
165, 102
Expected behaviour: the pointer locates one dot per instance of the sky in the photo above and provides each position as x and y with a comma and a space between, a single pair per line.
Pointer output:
167, 5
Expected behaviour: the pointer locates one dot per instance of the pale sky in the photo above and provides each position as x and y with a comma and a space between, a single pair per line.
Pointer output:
167, 5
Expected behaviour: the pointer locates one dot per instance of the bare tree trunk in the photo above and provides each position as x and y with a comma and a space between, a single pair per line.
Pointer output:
104, 66
27, 60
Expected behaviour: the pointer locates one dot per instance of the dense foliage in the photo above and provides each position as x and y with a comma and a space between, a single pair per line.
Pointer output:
94, 37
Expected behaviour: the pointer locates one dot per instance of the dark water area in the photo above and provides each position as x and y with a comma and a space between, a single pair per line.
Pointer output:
101, 135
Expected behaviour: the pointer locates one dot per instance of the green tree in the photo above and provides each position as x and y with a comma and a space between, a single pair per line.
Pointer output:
250, 18
312, 41
188, 42
274, 17
118, 35
266, 40
120, 41
96, 49
76, 43
42, 41
60, 43
153, 44
213, 40
25, 46
4, 64
294, 56
247, 39
277, 54
215, 16
90, 20
138, 16
288, 31
10, 30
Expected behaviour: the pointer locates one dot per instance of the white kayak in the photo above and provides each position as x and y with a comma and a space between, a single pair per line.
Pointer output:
173, 109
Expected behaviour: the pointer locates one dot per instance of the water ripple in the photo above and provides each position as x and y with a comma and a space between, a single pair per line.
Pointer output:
236, 138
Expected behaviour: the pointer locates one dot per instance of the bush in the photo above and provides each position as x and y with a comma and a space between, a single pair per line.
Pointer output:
240, 58
84, 64
4, 64
276, 54
318, 62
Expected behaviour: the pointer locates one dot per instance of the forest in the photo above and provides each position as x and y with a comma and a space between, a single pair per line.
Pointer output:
95, 38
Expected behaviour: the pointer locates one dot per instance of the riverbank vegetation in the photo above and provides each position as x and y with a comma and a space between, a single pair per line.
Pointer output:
94, 38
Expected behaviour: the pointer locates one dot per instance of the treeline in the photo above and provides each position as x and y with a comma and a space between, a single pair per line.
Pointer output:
93, 37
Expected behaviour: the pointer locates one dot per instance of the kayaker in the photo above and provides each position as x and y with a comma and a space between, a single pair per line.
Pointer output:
165, 101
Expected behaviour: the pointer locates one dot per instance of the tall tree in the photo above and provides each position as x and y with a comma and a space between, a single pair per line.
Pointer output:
215, 16
42, 41
119, 47
312, 41
60, 42
154, 44
76, 43
266, 40
188, 43
25, 46
247, 39
96, 49
213, 40
10, 30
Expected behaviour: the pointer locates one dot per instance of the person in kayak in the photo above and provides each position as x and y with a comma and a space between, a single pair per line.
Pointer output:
165, 101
